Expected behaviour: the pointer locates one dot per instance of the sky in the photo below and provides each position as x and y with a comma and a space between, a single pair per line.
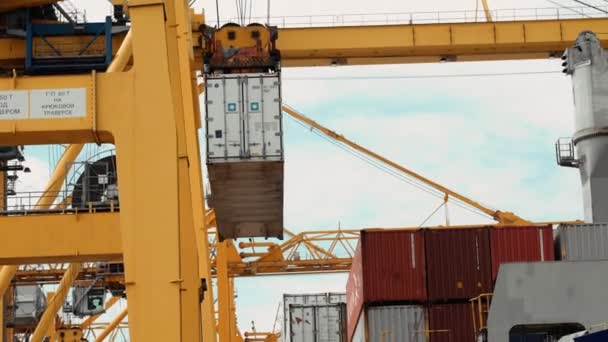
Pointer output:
490, 138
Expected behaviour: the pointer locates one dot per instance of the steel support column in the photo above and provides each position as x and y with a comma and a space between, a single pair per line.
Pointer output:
115, 322
56, 302
151, 195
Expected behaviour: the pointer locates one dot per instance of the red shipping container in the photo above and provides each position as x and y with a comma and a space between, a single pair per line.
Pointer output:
388, 267
458, 263
520, 244
451, 323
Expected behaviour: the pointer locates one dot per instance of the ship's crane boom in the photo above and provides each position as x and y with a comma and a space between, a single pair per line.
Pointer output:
507, 218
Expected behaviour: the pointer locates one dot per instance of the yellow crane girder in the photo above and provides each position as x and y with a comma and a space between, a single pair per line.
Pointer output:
395, 44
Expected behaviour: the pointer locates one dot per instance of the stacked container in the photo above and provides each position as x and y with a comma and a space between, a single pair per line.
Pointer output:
580, 242
458, 263
520, 244
388, 269
319, 317
417, 284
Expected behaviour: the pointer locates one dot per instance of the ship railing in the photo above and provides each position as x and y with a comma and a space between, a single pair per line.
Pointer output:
480, 307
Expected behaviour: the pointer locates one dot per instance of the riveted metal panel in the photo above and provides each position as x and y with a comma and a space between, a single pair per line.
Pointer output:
307, 300
580, 242
451, 323
458, 263
317, 323
520, 244
403, 323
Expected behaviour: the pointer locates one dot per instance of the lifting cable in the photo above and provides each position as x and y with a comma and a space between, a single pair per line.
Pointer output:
590, 6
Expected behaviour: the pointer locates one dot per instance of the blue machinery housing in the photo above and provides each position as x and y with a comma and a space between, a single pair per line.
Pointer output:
45, 56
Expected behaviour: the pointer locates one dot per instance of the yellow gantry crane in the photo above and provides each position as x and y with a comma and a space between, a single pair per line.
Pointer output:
161, 231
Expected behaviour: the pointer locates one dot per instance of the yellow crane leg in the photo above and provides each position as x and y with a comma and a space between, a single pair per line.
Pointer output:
224, 292
87, 322
181, 75
56, 181
6, 275
152, 220
486, 10
185, 95
50, 334
2, 323
115, 322
56, 302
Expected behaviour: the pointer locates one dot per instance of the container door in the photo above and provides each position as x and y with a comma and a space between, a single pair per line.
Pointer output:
224, 119
329, 323
262, 109
303, 323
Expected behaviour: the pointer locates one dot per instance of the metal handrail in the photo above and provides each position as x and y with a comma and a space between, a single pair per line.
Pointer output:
430, 17
23, 203
477, 305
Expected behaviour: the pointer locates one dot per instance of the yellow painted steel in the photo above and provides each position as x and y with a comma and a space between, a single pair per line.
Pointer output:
499, 216
55, 304
58, 177
58, 238
115, 322
393, 44
87, 322
50, 334
358, 45
6, 275
2, 323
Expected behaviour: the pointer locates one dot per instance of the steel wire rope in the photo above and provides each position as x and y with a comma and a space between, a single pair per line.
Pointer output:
432, 214
591, 6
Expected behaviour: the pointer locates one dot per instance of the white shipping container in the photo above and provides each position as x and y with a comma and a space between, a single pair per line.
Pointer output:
317, 323
582, 242
245, 154
316, 299
395, 323
244, 118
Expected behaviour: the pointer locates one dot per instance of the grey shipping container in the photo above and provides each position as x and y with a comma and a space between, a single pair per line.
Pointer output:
309, 299
317, 323
29, 303
244, 140
395, 323
581, 242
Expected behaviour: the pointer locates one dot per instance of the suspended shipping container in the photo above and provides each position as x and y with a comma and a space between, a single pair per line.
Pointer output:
317, 323
316, 299
520, 244
244, 140
458, 263
388, 267
451, 323
398, 323
580, 242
